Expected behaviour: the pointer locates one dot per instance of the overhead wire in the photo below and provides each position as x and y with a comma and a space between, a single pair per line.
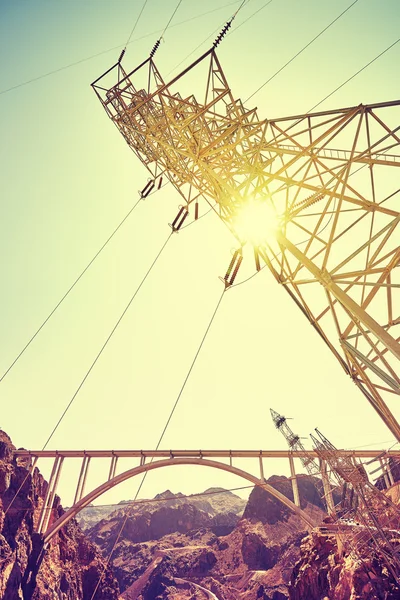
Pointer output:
172, 16
106, 342
87, 58
19, 355
355, 74
301, 51
171, 413
136, 22
150, 500
212, 34
250, 17
58, 423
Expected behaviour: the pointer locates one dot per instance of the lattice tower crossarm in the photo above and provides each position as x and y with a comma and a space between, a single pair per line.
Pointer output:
328, 180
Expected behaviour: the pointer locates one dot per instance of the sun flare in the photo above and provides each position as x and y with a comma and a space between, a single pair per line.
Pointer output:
256, 221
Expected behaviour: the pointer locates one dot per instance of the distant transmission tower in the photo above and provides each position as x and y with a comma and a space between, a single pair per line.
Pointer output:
375, 518
295, 443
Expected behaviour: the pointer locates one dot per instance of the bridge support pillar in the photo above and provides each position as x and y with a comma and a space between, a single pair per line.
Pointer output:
113, 467
82, 479
261, 468
295, 486
45, 513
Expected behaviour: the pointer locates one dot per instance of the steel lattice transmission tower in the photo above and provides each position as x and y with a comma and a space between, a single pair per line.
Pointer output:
294, 442
375, 519
326, 185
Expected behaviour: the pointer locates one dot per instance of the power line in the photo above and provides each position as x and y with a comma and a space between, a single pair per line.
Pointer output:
172, 16
68, 291
210, 35
78, 62
136, 22
355, 74
129, 503
251, 16
159, 442
105, 344
300, 51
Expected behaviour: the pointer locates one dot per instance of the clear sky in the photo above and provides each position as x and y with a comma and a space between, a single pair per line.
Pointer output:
68, 178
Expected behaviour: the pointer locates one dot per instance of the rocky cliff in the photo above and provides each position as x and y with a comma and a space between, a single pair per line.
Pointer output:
69, 569
172, 548
322, 573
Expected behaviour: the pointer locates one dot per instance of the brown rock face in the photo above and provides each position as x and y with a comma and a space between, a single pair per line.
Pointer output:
321, 573
192, 560
70, 567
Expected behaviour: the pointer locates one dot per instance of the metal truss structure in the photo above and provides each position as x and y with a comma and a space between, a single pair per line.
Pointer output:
365, 516
329, 180
309, 463
372, 517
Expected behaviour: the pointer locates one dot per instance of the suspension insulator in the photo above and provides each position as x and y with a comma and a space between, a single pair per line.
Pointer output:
159, 183
179, 219
257, 259
155, 48
196, 211
121, 56
233, 268
222, 34
147, 189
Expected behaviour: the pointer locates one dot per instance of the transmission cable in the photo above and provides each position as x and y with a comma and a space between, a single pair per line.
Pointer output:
127, 515
74, 284
82, 60
92, 365
172, 16
355, 74
136, 22
68, 291
106, 342
251, 16
210, 35
300, 51
147, 500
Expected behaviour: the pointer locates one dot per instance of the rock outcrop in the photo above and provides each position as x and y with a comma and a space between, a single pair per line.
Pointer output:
194, 558
322, 573
69, 569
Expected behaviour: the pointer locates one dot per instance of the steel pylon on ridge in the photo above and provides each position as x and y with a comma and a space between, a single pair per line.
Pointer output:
294, 442
375, 519
329, 176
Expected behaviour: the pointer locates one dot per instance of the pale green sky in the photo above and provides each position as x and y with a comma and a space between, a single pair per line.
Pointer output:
68, 178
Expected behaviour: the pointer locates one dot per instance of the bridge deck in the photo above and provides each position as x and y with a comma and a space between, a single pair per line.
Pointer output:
197, 453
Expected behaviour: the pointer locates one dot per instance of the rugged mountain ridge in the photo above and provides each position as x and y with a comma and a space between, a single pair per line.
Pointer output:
71, 566
214, 502
253, 560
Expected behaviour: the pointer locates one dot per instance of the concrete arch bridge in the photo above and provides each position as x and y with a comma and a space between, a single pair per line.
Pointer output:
150, 460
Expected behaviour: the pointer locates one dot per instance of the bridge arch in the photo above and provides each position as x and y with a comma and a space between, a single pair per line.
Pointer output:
104, 487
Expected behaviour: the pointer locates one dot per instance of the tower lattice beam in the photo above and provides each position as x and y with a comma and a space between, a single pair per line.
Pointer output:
329, 178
